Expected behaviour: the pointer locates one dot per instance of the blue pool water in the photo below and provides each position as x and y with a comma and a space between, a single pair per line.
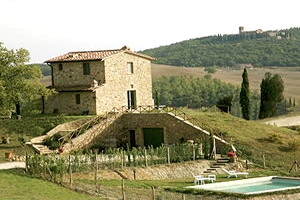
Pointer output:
254, 185
274, 184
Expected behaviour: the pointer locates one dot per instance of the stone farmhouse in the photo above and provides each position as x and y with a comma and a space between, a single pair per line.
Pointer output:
94, 82
116, 86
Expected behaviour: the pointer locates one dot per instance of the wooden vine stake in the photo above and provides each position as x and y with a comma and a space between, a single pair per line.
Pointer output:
153, 193
70, 172
168, 152
96, 175
123, 189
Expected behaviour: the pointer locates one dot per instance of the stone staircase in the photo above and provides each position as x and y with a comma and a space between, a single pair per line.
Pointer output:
42, 149
90, 134
37, 142
219, 163
68, 128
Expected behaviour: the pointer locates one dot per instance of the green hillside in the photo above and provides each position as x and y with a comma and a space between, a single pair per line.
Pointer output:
252, 139
272, 48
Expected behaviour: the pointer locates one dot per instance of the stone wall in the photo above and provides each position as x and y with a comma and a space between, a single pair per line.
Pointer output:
113, 78
175, 130
119, 81
72, 74
65, 102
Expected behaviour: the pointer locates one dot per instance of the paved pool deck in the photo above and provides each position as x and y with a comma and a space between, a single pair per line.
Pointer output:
11, 165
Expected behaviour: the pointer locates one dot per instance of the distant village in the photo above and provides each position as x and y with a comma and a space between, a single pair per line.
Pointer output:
259, 33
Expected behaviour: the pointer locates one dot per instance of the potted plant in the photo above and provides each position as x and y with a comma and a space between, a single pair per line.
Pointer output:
61, 149
5, 140
232, 156
8, 155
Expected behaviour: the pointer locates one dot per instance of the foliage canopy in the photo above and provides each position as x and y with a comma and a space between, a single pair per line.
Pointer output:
271, 90
232, 50
19, 83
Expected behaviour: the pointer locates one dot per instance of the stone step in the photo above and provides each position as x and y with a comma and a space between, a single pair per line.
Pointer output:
209, 172
215, 166
220, 164
223, 160
212, 169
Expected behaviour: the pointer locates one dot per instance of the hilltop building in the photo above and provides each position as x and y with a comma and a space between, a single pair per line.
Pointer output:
259, 33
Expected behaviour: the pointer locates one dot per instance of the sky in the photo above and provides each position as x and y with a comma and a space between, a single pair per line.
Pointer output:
49, 28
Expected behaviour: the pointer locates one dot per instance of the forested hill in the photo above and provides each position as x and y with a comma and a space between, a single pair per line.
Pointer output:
271, 48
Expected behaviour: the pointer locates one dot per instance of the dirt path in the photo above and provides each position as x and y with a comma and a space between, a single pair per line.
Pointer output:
288, 121
11, 165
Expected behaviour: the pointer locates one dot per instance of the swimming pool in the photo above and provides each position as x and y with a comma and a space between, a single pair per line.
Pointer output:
253, 185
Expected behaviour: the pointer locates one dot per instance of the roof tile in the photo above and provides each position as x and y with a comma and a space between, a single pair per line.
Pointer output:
93, 55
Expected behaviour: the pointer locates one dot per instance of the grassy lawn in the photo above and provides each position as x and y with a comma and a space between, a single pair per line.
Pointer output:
28, 127
251, 138
15, 185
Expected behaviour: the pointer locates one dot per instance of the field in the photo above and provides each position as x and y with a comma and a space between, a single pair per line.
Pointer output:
290, 76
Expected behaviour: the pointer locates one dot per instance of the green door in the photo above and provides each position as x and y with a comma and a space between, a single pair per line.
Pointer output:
153, 136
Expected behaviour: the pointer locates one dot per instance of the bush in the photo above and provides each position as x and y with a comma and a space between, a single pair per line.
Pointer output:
293, 145
275, 137
52, 142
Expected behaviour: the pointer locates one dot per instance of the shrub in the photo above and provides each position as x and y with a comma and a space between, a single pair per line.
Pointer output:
293, 145
275, 137
52, 142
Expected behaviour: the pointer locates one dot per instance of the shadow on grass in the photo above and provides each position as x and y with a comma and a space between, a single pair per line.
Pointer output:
9, 147
285, 149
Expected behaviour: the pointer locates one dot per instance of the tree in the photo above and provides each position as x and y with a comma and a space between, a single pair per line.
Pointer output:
210, 70
245, 96
271, 93
157, 99
19, 82
225, 104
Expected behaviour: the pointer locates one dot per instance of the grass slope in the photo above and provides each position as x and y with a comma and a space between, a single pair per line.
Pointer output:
254, 138
251, 138
18, 186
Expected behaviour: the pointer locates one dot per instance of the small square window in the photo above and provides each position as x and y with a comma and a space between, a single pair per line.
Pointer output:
130, 67
86, 68
77, 98
60, 67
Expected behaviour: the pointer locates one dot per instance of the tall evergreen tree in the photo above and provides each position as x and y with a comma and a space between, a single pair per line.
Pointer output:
271, 93
245, 96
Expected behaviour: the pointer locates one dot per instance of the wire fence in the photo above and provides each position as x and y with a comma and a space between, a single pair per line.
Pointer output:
51, 166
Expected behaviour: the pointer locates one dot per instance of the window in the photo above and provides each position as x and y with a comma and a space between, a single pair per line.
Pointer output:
86, 68
60, 67
131, 98
130, 67
77, 98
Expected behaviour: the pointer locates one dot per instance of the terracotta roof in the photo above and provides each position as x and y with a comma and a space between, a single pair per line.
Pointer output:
75, 88
93, 55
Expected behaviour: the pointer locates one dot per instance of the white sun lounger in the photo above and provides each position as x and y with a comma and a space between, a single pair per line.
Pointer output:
200, 180
234, 173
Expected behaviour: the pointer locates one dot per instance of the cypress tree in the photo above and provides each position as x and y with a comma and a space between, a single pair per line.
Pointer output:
271, 93
245, 96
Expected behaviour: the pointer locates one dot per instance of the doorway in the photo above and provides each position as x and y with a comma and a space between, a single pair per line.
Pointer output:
132, 141
153, 136
131, 98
